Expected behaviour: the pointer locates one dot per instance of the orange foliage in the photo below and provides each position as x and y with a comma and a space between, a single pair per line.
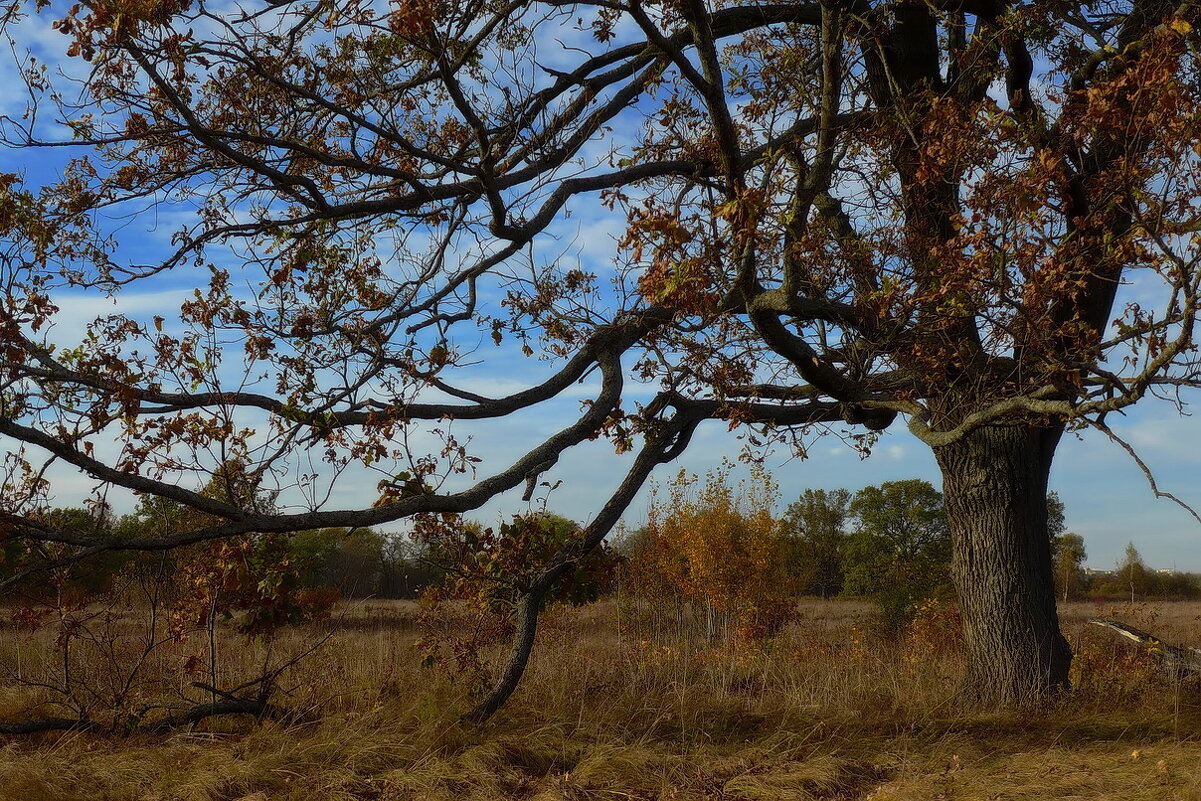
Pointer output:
720, 548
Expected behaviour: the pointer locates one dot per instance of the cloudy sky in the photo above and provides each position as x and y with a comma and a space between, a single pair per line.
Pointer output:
1107, 497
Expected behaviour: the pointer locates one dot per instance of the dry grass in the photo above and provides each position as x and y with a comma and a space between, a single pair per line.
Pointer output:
829, 711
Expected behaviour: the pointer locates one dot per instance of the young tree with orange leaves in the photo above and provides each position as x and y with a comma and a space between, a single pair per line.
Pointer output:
719, 547
837, 213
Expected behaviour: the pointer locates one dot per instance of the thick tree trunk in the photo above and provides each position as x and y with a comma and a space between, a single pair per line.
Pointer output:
995, 490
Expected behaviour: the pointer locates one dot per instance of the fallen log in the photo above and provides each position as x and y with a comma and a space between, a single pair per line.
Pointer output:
1177, 660
48, 724
230, 704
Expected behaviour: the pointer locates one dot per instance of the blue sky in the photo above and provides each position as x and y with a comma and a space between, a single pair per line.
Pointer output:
1107, 497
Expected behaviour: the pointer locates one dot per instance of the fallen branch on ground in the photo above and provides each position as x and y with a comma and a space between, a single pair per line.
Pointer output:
1178, 660
230, 705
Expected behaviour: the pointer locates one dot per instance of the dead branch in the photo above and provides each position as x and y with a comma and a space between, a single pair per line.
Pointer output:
229, 705
1177, 660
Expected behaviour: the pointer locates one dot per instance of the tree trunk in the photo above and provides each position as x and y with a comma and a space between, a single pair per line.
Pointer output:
995, 490
1177, 661
519, 656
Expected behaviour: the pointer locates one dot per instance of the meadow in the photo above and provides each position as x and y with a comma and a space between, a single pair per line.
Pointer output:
829, 709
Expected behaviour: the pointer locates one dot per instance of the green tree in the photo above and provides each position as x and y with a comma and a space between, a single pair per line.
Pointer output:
1132, 571
1056, 520
1068, 553
816, 526
900, 551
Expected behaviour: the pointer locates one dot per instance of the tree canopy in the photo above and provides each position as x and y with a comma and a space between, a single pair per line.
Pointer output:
816, 525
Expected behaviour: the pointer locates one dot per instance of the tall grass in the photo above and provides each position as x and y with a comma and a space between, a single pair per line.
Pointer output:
829, 709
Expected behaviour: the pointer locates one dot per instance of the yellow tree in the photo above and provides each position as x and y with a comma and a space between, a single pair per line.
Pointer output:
719, 546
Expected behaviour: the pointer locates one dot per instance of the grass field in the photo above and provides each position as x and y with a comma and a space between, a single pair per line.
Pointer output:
829, 711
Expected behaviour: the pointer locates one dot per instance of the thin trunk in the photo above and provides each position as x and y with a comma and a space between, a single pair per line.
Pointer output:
212, 632
995, 489
519, 656
664, 446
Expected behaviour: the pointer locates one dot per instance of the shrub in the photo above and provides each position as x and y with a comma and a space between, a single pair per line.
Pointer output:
717, 552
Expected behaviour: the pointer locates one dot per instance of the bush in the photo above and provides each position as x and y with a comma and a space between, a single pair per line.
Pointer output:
717, 553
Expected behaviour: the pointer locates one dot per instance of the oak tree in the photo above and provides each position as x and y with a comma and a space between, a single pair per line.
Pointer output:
835, 215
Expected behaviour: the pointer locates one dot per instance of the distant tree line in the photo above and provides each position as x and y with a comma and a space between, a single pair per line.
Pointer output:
358, 563
1132, 580
714, 543
889, 543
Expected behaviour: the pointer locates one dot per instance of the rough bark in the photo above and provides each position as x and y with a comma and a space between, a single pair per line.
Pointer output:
47, 724
995, 489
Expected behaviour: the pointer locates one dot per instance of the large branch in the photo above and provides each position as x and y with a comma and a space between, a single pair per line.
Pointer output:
174, 719
1178, 661
1090, 162
614, 337
239, 521
663, 444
